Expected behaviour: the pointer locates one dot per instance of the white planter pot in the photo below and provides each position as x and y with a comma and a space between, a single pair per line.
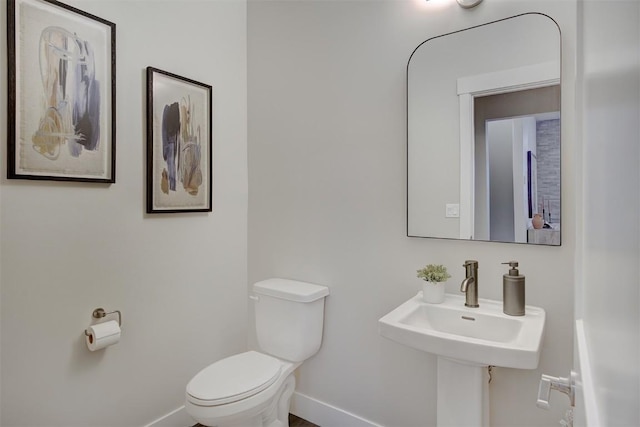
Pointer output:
433, 292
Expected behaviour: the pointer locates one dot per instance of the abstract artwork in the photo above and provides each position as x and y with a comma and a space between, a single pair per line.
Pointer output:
179, 144
61, 93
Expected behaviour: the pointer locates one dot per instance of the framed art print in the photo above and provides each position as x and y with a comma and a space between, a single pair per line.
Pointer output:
61, 93
179, 144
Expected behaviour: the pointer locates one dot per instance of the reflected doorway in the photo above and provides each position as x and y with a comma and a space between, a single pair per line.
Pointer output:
517, 164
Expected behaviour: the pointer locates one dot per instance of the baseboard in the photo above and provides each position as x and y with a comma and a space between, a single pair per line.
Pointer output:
176, 418
303, 406
325, 415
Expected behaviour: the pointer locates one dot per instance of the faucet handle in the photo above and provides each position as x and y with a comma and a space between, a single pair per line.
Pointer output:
544, 390
469, 262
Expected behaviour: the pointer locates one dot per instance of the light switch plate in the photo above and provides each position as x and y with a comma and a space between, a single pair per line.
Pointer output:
452, 210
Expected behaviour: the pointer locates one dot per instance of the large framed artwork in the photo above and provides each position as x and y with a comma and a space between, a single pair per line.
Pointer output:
179, 144
61, 93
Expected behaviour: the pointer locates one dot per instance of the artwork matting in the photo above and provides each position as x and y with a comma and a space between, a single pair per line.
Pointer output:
61, 117
179, 144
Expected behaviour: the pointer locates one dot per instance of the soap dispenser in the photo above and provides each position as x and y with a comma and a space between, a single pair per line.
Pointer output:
513, 291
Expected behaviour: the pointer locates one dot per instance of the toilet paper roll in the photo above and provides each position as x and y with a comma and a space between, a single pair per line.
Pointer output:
102, 335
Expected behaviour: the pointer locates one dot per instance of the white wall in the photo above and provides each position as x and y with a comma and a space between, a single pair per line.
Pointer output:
609, 248
327, 174
180, 280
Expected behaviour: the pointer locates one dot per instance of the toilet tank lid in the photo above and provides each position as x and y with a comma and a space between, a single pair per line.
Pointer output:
292, 290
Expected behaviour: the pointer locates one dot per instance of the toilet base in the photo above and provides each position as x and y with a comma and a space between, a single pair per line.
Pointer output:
274, 413
278, 413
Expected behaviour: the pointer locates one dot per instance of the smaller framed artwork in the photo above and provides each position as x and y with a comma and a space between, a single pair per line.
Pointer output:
179, 144
61, 116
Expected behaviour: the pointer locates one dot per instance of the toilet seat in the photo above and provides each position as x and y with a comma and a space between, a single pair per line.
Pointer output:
232, 379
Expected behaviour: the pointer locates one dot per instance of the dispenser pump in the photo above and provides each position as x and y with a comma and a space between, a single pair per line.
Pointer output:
513, 291
513, 271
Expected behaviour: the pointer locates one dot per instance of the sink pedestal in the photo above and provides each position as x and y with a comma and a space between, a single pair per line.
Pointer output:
463, 394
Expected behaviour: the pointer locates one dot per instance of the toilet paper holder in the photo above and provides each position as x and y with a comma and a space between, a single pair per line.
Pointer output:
99, 313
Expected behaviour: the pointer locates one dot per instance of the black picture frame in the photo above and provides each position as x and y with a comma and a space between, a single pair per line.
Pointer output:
62, 93
179, 143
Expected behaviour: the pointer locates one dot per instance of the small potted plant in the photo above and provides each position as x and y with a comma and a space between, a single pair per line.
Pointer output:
434, 276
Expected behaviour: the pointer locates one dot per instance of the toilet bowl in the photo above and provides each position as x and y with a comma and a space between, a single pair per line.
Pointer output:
254, 388
246, 389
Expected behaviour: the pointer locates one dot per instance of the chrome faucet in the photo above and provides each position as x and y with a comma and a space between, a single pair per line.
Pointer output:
470, 284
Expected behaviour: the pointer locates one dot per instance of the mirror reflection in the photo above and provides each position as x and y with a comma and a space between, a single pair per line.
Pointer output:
483, 115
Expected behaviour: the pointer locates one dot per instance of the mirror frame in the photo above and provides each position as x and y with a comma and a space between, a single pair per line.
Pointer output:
469, 138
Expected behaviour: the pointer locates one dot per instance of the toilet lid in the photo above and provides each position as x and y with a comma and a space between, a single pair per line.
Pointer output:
234, 378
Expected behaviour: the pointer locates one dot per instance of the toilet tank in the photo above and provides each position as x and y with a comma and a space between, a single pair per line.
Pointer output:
289, 317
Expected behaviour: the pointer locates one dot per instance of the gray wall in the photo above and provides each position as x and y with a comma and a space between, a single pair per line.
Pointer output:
327, 179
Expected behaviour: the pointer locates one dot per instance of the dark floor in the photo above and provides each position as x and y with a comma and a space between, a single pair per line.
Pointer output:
293, 422
299, 422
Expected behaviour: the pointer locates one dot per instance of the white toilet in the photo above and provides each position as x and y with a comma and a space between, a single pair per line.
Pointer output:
253, 389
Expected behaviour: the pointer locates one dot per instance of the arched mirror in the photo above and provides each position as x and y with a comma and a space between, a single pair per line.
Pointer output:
483, 135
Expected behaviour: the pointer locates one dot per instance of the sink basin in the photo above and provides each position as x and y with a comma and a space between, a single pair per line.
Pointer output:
483, 335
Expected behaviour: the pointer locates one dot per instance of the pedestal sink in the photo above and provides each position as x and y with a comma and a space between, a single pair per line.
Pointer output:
466, 341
